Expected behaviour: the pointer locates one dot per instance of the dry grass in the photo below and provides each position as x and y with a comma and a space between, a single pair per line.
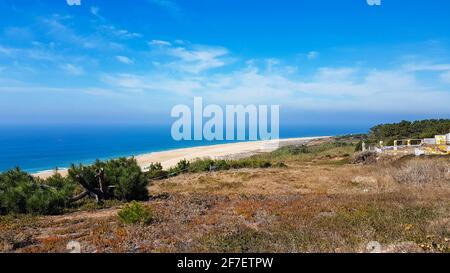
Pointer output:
318, 203
423, 171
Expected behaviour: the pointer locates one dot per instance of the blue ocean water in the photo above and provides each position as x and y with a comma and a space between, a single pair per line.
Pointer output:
37, 148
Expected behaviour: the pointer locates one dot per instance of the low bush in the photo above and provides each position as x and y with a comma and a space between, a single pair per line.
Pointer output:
295, 150
251, 162
123, 177
201, 165
206, 165
292, 150
135, 213
155, 171
21, 193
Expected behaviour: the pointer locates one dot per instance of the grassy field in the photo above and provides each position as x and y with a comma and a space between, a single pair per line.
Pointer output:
311, 199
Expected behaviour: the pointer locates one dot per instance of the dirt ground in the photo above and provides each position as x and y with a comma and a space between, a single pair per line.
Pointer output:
317, 203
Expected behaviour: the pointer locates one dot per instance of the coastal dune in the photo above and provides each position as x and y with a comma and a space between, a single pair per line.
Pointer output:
221, 151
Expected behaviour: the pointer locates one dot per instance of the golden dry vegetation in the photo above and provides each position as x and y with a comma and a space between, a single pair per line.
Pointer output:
316, 201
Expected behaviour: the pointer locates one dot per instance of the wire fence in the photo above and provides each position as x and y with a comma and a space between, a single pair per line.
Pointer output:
169, 174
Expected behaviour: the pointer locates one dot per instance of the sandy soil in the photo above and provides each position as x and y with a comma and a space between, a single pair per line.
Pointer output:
231, 150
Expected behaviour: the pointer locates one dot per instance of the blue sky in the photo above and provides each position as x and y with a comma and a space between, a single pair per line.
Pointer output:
131, 61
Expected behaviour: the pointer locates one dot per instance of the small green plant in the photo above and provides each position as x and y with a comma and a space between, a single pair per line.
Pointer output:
136, 213
183, 166
201, 165
156, 171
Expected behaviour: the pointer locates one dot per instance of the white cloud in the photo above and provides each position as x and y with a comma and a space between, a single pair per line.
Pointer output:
57, 30
368, 90
159, 43
19, 87
445, 77
271, 63
328, 89
40, 54
193, 59
72, 69
123, 33
426, 67
19, 33
124, 59
186, 70
443, 69
95, 11
6, 51
42, 58
73, 2
119, 33
197, 60
327, 74
312, 55
152, 83
129, 81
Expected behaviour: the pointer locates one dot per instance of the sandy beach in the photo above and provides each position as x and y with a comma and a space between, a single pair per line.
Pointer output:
221, 151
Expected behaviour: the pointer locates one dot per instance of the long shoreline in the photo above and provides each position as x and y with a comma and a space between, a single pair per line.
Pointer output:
170, 158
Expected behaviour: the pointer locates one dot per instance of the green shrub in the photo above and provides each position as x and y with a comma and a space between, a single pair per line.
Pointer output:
21, 193
252, 162
64, 185
296, 150
205, 165
127, 178
222, 165
135, 213
182, 166
201, 165
124, 177
291, 150
155, 171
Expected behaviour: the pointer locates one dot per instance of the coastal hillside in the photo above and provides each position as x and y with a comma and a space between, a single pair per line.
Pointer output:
406, 129
319, 196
